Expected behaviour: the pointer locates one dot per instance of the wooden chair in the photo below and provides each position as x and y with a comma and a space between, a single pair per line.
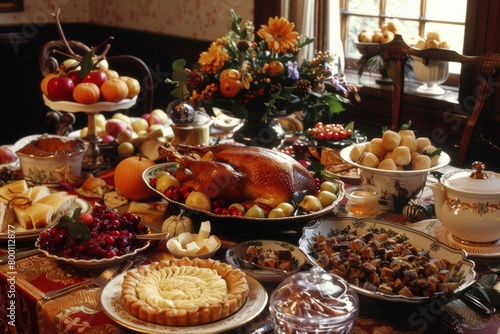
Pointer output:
489, 66
129, 65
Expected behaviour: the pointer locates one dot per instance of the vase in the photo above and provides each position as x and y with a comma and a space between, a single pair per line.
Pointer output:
257, 132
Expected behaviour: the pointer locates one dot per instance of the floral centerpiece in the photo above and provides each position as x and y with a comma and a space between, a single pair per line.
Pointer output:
258, 81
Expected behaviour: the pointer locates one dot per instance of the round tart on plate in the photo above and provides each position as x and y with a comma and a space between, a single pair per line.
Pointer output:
184, 292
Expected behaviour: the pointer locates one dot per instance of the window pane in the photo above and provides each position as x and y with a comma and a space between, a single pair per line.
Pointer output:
446, 10
453, 34
355, 25
365, 6
403, 8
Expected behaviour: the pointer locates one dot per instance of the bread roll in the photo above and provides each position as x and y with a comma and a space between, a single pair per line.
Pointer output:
422, 142
421, 162
388, 164
433, 153
409, 142
52, 196
61, 206
401, 155
356, 152
407, 133
15, 187
23, 218
376, 147
37, 192
369, 160
390, 140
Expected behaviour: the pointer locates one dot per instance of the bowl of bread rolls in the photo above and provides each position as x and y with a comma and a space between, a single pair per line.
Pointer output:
397, 164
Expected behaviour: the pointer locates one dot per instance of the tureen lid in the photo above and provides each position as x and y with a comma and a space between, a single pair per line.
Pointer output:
476, 180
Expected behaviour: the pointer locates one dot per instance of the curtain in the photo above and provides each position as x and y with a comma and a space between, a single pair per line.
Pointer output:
319, 19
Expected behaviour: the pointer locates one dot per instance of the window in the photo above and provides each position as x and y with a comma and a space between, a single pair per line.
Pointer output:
416, 18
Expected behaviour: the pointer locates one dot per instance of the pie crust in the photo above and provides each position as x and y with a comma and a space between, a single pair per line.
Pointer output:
184, 292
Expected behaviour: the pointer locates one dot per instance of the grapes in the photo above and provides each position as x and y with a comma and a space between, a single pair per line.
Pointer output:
178, 193
111, 235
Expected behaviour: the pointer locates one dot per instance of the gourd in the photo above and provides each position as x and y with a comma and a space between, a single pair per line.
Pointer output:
175, 225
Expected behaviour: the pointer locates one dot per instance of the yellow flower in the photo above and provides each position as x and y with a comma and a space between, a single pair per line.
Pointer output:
213, 59
279, 34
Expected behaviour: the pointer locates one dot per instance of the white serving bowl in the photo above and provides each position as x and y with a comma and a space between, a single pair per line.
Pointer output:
396, 187
262, 275
51, 169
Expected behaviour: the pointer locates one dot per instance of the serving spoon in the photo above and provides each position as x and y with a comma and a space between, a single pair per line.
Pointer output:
250, 265
153, 236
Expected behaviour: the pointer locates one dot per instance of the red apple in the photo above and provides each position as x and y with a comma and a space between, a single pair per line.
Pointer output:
115, 126
6, 155
97, 77
153, 119
60, 89
146, 116
74, 76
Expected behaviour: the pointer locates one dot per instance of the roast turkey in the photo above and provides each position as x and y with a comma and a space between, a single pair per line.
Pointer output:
239, 173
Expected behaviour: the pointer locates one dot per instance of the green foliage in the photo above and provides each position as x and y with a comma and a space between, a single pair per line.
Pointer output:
77, 228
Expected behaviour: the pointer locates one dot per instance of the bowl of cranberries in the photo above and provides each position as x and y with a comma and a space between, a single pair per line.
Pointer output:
93, 240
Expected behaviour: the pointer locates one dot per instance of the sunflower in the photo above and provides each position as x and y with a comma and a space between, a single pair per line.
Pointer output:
214, 58
279, 34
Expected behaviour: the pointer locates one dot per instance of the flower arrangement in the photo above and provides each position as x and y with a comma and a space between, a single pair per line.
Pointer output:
243, 76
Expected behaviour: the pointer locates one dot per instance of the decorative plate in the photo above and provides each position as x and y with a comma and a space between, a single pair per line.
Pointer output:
272, 224
113, 307
422, 241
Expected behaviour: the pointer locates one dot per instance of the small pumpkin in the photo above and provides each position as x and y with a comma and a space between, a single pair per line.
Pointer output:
114, 90
128, 178
86, 92
176, 225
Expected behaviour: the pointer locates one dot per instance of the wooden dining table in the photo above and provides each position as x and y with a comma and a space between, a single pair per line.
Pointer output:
23, 282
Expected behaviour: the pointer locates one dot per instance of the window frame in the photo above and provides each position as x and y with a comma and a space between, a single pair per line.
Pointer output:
352, 59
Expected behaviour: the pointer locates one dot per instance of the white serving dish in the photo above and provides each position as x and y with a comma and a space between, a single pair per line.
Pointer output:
262, 275
393, 183
70, 106
50, 169
180, 255
420, 240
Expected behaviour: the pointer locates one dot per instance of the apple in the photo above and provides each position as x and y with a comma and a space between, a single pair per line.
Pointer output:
255, 211
74, 76
115, 126
60, 89
124, 136
276, 213
161, 114
122, 117
146, 116
97, 77
139, 125
6, 155
329, 186
166, 181
387, 36
154, 119
310, 203
326, 198
287, 208
199, 200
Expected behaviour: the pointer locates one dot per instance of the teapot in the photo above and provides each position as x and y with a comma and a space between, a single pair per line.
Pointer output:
467, 203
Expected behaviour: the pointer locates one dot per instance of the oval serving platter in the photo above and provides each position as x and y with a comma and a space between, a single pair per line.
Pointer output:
333, 226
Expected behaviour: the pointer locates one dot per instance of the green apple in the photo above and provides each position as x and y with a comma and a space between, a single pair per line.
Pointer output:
310, 203
329, 186
326, 198
276, 213
199, 200
288, 209
238, 207
255, 212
